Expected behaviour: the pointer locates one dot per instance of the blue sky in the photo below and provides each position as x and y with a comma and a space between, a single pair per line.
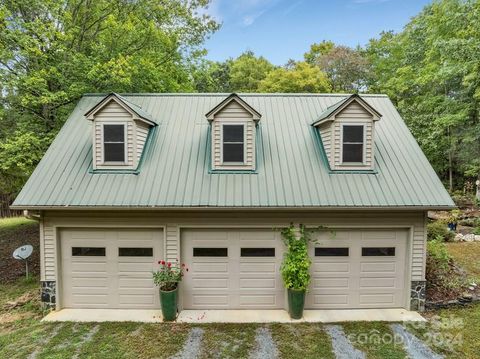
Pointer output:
284, 29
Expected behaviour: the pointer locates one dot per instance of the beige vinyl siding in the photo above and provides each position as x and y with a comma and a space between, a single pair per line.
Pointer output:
353, 114
326, 134
172, 221
142, 134
233, 113
114, 113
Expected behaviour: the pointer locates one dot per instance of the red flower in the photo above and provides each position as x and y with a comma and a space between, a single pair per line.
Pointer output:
163, 262
159, 262
169, 264
187, 269
183, 264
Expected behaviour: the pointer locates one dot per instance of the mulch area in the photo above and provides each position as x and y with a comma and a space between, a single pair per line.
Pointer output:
12, 238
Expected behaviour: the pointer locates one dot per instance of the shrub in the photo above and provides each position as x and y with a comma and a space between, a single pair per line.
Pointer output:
439, 229
476, 231
296, 263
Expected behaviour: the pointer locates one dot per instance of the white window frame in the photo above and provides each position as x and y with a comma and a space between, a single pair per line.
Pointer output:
364, 147
125, 145
244, 144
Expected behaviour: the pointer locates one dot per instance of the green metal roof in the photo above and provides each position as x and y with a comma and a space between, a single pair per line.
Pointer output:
291, 171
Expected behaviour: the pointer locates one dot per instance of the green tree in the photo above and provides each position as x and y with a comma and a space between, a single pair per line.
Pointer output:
346, 68
51, 52
432, 73
300, 77
246, 72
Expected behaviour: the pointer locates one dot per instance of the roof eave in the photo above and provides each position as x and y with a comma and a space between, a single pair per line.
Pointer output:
200, 207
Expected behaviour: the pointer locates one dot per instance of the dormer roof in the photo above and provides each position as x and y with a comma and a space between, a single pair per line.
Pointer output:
331, 111
233, 97
136, 111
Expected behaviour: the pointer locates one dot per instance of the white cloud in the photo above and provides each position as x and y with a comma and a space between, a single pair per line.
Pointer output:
248, 20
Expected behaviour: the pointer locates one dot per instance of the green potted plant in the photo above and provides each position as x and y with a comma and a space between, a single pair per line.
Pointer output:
295, 268
167, 278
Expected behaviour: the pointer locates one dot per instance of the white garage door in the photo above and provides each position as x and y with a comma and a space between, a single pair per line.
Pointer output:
105, 268
232, 269
358, 269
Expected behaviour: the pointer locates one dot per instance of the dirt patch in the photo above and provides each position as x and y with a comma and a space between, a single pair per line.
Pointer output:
12, 238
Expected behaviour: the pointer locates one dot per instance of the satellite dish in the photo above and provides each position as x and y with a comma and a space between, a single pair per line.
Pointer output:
23, 252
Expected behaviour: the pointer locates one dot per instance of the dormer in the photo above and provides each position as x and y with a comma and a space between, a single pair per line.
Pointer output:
347, 131
120, 133
233, 132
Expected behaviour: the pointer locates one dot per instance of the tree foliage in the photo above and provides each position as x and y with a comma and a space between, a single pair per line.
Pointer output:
301, 77
51, 52
346, 68
431, 70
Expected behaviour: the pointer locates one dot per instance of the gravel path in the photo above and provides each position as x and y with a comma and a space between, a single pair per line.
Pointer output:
414, 346
342, 347
192, 345
266, 347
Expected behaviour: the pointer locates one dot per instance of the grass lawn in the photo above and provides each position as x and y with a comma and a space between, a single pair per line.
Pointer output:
14, 223
467, 255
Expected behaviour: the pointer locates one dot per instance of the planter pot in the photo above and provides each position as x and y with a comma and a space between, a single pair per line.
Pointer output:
168, 301
296, 303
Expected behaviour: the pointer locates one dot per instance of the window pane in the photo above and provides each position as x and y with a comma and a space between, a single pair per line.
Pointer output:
331, 252
352, 152
233, 133
210, 252
232, 152
113, 133
114, 152
353, 134
88, 251
135, 252
257, 252
378, 251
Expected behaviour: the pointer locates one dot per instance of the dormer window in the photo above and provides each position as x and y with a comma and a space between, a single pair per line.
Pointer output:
233, 144
233, 129
352, 144
121, 130
114, 143
347, 133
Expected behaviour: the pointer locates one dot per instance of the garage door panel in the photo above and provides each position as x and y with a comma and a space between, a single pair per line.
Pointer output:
209, 283
378, 267
258, 301
253, 283
129, 282
210, 300
91, 300
258, 268
209, 267
136, 300
376, 282
376, 278
378, 298
331, 268
331, 299
110, 280
248, 278
85, 282
331, 283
